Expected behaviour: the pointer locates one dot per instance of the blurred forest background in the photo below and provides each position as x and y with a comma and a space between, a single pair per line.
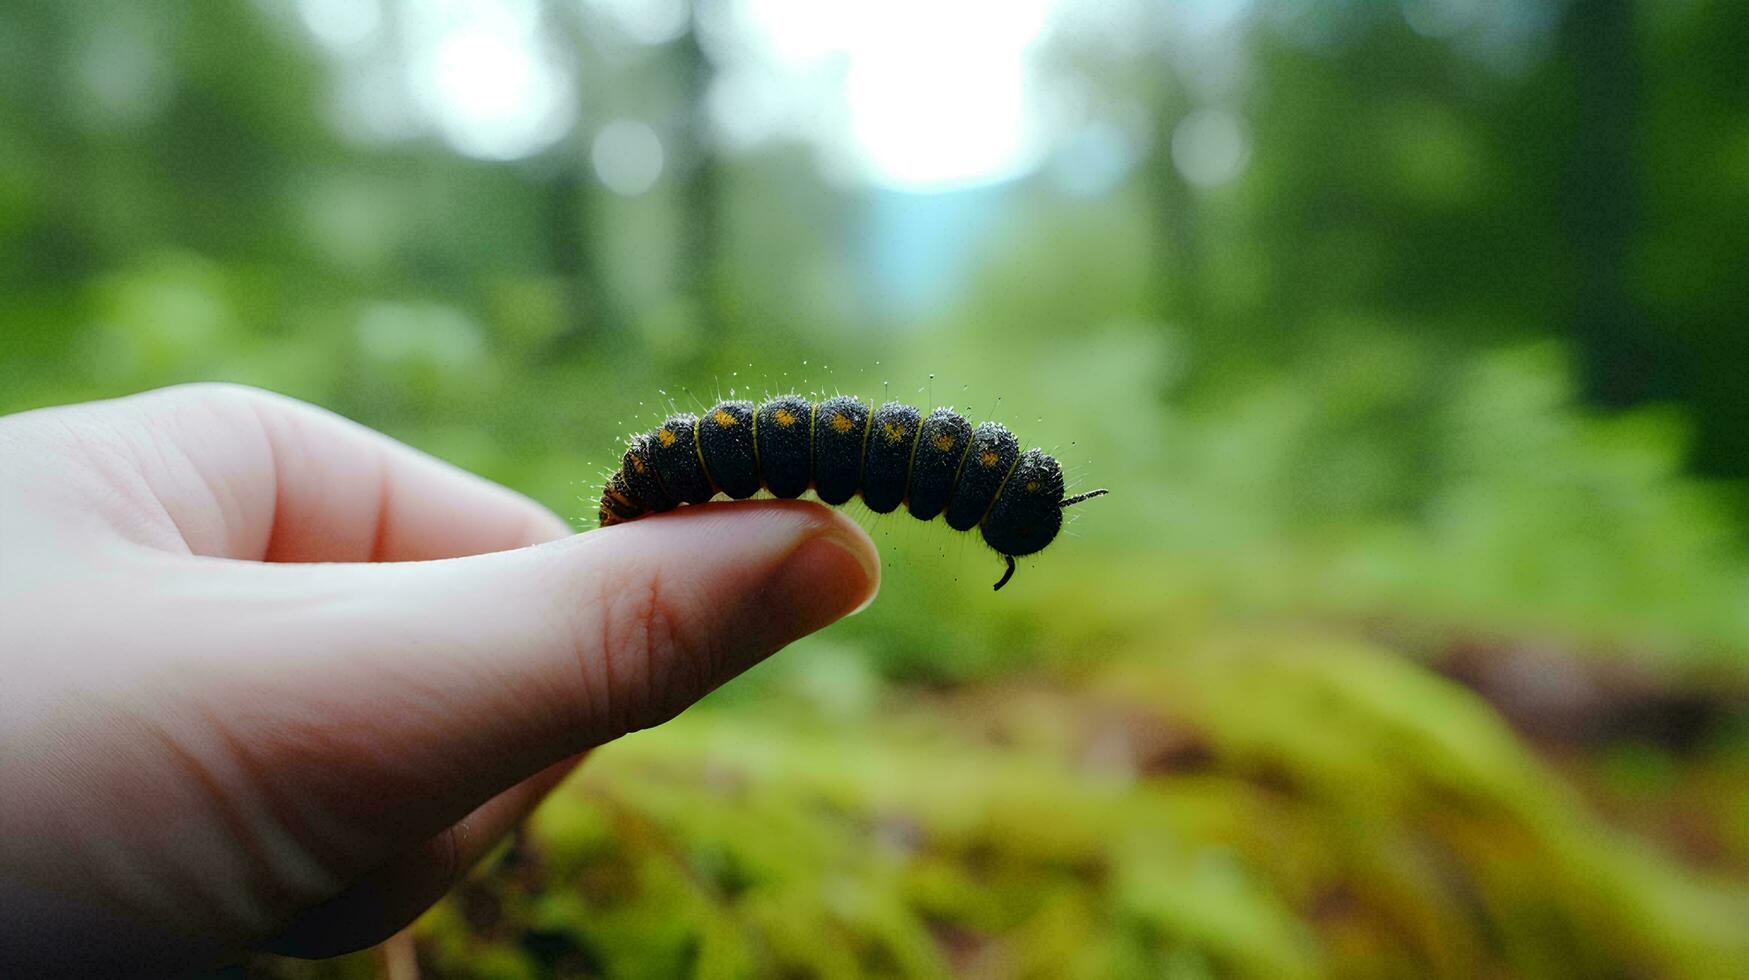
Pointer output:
1409, 337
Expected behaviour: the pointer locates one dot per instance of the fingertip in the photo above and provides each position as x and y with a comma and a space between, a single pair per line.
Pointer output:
826, 578
544, 525
738, 580
856, 581
835, 567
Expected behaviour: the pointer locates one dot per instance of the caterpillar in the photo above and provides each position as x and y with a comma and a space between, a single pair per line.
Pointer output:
935, 465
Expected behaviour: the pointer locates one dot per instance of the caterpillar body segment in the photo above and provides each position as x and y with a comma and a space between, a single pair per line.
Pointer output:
886, 466
637, 468
840, 436
725, 446
893, 456
679, 465
935, 466
784, 428
988, 458
1028, 512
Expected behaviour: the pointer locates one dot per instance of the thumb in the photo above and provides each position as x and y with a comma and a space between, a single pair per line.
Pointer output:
403, 695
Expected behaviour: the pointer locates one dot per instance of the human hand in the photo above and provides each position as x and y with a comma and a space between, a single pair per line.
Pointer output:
210, 743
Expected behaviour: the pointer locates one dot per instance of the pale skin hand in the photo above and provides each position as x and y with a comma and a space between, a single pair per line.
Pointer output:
210, 744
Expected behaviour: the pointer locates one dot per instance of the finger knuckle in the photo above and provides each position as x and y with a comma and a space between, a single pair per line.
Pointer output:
645, 658
222, 392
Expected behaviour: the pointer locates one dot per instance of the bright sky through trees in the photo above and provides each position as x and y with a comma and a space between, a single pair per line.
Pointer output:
906, 94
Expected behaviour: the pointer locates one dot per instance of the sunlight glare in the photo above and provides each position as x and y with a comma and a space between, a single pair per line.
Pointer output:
480, 71
935, 95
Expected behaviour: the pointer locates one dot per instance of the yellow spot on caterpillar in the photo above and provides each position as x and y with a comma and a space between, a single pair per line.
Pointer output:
784, 417
666, 437
840, 422
1032, 486
988, 459
944, 442
724, 419
893, 433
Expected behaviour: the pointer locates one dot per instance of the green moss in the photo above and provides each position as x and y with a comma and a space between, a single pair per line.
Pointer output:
1262, 805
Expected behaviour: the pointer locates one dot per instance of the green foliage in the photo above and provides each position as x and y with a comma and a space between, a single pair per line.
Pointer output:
1378, 478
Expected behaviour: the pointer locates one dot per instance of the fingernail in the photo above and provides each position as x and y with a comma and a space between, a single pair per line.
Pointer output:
870, 561
832, 575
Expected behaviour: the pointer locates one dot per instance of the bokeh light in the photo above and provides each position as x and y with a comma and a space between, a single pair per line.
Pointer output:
628, 157
1209, 147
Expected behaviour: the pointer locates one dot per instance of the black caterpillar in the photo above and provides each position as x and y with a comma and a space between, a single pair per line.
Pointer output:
893, 455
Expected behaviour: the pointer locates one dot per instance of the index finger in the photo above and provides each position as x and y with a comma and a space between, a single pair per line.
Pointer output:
260, 476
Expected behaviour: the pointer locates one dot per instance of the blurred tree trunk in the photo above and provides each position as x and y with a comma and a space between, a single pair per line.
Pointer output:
592, 308
699, 175
1621, 358
1178, 269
